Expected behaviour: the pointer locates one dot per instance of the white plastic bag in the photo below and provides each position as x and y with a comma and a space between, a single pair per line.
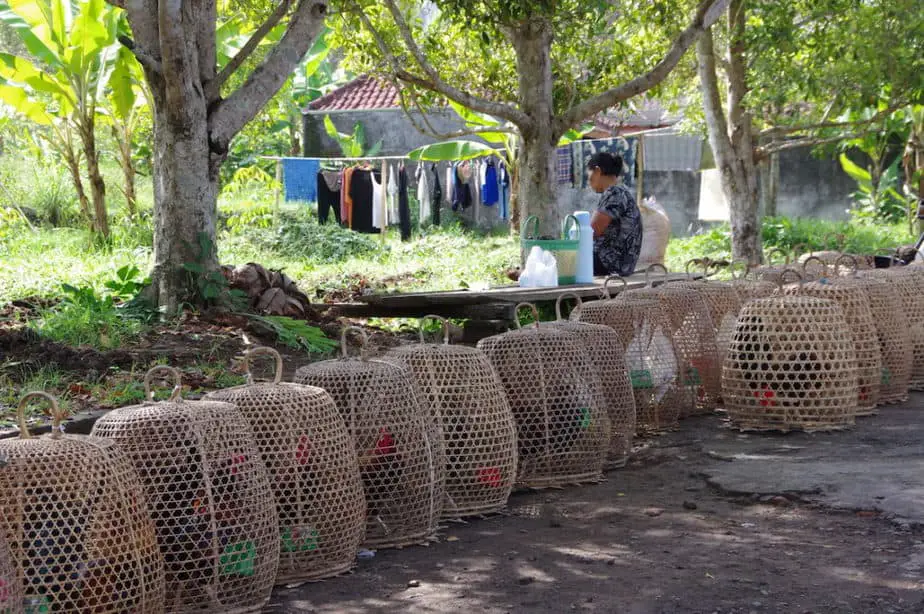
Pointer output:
656, 232
541, 269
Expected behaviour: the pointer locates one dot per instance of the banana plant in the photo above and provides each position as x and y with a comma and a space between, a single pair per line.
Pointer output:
73, 51
127, 102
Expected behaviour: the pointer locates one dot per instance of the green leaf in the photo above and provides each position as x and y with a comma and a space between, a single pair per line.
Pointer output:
26, 19
193, 267
122, 84
375, 149
473, 118
861, 175
17, 98
452, 150
569, 137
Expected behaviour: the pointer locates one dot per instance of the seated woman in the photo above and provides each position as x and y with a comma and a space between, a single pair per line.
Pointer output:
617, 222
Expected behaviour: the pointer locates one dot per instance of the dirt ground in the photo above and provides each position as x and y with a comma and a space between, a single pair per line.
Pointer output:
663, 535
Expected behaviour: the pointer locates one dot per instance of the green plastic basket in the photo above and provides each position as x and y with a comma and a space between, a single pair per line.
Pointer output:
565, 250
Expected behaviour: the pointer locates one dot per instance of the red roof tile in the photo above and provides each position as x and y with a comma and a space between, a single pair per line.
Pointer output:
365, 92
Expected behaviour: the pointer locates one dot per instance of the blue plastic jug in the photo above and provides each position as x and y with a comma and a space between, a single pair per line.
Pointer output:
585, 256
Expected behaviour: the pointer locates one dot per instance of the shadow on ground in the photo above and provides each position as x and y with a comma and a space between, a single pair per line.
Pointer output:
703, 520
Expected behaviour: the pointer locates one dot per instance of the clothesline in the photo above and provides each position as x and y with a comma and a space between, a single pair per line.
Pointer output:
279, 158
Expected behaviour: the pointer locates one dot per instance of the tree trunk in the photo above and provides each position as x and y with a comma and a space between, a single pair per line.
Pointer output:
73, 167
123, 139
185, 197
769, 183
87, 131
731, 138
535, 189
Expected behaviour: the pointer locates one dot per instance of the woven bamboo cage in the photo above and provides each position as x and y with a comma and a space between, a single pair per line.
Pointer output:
651, 358
608, 357
909, 289
11, 597
854, 302
209, 495
563, 431
791, 366
748, 288
603, 311
771, 271
892, 334
313, 472
815, 269
75, 519
694, 339
722, 302
399, 447
830, 256
463, 394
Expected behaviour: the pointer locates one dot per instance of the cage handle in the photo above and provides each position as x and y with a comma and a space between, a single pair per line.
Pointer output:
782, 279
344, 352
705, 262
649, 283
558, 301
531, 307
797, 250
57, 415
824, 266
606, 285
848, 258
742, 261
173, 373
443, 321
263, 351
777, 250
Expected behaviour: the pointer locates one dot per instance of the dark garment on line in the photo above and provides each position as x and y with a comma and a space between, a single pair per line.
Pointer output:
404, 208
489, 191
328, 200
617, 249
436, 196
361, 193
462, 190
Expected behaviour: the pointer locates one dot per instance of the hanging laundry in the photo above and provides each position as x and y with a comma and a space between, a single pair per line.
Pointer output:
361, 196
461, 192
378, 204
328, 196
436, 195
423, 194
300, 178
404, 208
489, 191
625, 148
450, 184
475, 183
392, 197
346, 198
504, 192
563, 165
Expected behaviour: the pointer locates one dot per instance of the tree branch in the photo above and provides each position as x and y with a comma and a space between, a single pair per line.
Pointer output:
435, 83
145, 59
230, 115
429, 130
213, 87
782, 130
712, 99
707, 13
763, 151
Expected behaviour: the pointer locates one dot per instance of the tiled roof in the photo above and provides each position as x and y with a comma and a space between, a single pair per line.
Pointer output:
365, 92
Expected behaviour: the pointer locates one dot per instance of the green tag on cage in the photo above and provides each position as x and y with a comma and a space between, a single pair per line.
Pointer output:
886, 376
692, 377
36, 605
641, 378
238, 559
299, 540
586, 420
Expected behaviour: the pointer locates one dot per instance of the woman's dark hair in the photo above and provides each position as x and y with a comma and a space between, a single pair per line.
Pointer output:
609, 164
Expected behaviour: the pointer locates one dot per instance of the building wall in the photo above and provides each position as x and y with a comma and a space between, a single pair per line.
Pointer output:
391, 126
